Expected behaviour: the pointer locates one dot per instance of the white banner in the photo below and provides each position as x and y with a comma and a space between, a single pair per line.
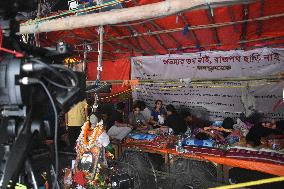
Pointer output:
218, 102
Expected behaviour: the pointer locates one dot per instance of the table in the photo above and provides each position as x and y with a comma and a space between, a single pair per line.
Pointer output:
219, 157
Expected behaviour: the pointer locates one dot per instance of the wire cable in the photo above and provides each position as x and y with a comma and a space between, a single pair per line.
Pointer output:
69, 71
27, 81
57, 84
56, 128
50, 68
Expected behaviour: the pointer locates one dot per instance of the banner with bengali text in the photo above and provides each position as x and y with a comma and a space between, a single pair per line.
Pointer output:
218, 102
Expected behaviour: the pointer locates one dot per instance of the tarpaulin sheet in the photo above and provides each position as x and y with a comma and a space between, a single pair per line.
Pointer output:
112, 70
228, 36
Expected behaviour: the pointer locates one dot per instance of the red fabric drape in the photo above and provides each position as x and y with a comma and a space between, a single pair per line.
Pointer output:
112, 70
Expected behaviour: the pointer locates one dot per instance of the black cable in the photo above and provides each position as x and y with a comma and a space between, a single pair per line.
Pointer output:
69, 71
56, 129
57, 84
50, 68
34, 81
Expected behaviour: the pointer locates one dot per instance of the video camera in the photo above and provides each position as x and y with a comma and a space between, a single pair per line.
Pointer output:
30, 87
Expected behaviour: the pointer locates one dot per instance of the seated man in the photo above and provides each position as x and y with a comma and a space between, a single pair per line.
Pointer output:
145, 111
192, 122
136, 120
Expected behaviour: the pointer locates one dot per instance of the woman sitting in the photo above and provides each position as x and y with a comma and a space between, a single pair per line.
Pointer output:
158, 114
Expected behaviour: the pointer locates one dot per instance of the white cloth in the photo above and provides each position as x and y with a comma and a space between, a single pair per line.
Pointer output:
241, 126
119, 132
248, 101
94, 120
146, 113
161, 119
103, 140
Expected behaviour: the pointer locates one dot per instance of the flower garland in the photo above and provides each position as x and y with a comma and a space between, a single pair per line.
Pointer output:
89, 140
82, 141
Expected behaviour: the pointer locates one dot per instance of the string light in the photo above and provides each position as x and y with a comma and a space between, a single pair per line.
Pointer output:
207, 86
115, 95
71, 60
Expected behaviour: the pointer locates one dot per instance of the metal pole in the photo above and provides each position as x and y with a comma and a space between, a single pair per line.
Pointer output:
85, 58
100, 57
100, 49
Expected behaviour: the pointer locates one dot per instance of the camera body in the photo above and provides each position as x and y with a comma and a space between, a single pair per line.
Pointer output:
10, 93
28, 85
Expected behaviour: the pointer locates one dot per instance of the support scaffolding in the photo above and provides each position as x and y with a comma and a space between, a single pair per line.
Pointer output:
100, 48
100, 56
154, 10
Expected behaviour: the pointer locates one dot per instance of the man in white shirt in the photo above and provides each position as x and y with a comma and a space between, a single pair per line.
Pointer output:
145, 111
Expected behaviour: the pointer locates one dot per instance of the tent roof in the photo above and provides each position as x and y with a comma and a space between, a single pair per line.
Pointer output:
242, 26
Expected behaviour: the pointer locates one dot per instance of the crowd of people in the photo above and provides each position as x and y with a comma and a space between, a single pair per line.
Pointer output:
143, 119
119, 123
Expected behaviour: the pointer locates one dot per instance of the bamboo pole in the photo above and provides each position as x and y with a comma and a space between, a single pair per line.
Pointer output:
196, 27
164, 8
146, 43
269, 78
240, 42
119, 33
214, 30
244, 25
156, 37
186, 22
92, 34
259, 24
169, 35
206, 26
233, 18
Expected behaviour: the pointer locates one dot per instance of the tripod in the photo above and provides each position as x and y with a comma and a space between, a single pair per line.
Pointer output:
16, 162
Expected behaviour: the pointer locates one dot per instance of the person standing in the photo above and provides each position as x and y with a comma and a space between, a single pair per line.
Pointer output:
75, 118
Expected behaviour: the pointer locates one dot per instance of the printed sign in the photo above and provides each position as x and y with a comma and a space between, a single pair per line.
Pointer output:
218, 101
